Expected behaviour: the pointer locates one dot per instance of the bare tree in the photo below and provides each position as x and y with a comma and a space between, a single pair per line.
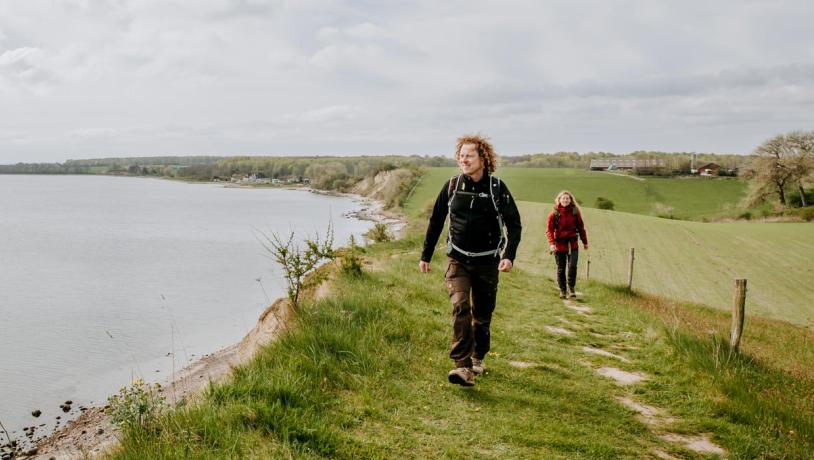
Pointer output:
780, 162
803, 164
298, 262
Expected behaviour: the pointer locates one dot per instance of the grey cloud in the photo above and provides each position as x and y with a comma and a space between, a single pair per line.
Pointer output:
21, 67
241, 9
688, 85
236, 76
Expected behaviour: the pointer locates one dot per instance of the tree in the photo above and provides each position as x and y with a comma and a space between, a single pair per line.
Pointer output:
781, 161
298, 262
802, 165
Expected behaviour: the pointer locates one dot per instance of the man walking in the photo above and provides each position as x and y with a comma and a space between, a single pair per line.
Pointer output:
479, 206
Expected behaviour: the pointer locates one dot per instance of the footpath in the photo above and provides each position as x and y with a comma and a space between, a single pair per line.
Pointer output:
361, 373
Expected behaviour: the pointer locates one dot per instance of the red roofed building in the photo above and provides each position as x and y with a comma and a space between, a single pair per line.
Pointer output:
709, 169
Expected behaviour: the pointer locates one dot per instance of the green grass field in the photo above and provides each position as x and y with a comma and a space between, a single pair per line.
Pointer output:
361, 373
691, 261
686, 260
685, 198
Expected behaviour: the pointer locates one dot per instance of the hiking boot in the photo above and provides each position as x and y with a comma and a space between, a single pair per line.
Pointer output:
572, 293
562, 294
462, 376
477, 366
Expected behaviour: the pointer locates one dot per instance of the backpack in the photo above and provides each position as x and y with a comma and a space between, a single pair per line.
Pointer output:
452, 190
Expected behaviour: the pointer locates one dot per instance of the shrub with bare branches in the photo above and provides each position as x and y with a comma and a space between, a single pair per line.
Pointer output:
298, 261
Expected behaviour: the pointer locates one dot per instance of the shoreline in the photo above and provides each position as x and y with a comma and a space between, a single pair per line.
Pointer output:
92, 433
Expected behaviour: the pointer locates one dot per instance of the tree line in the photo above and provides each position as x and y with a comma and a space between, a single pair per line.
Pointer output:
327, 173
677, 162
329, 170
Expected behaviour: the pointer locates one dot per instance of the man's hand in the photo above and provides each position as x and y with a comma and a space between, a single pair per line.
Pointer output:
424, 267
552, 248
505, 265
585, 246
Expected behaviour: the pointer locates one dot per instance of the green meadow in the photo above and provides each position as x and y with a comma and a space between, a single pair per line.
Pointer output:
361, 373
685, 198
692, 261
687, 260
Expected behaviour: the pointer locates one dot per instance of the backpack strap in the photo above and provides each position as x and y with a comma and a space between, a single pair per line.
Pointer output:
494, 189
452, 189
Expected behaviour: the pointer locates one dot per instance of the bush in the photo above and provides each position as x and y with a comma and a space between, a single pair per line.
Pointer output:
297, 262
806, 214
746, 215
664, 211
379, 234
604, 203
136, 406
350, 262
794, 199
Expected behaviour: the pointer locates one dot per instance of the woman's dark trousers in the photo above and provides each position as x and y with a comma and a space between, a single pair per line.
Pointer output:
564, 259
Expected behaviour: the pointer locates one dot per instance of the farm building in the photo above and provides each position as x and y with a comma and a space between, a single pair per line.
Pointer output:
626, 163
709, 169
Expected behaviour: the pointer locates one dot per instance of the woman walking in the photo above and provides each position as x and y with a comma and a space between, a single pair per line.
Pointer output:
565, 228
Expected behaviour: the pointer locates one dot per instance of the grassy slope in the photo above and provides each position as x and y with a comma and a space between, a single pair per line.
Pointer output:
692, 198
363, 375
693, 261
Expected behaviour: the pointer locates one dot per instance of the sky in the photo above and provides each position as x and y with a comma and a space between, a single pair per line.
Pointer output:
112, 78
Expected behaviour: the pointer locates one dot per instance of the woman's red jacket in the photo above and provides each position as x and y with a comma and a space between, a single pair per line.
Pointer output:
569, 227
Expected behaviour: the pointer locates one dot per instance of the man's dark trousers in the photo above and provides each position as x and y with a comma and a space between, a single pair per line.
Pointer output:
473, 290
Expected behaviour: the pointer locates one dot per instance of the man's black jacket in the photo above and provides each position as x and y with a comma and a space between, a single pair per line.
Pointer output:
473, 220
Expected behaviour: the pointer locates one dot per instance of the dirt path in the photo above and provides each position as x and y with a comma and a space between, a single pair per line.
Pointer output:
658, 420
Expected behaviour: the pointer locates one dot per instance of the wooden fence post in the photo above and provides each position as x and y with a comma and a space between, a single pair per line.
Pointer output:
630, 270
738, 314
588, 270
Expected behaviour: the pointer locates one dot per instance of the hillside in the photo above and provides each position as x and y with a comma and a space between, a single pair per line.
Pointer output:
361, 373
683, 198
692, 261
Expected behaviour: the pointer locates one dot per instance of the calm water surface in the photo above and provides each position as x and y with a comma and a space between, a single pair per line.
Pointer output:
104, 279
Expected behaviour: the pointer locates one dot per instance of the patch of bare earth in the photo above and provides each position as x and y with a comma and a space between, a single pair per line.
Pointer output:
699, 443
93, 433
568, 323
621, 377
522, 364
578, 308
664, 455
601, 352
652, 416
559, 331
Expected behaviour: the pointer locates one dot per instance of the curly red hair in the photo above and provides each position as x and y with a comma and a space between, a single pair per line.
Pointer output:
485, 150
